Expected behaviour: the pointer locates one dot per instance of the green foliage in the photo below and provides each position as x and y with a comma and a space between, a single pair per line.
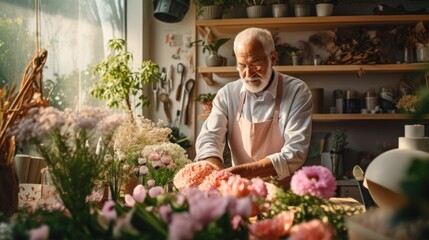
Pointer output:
308, 207
205, 97
339, 140
117, 82
415, 187
211, 48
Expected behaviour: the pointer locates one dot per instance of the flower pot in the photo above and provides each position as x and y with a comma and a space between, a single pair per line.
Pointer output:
422, 54
279, 10
257, 11
214, 60
324, 9
302, 10
212, 12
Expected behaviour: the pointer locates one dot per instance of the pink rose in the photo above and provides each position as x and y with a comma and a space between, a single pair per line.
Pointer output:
155, 191
317, 181
166, 160
154, 156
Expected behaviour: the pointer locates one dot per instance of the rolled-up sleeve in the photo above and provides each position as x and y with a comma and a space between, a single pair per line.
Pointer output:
296, 122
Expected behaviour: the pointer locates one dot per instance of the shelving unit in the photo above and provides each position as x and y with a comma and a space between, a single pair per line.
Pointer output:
207, 72
213, 29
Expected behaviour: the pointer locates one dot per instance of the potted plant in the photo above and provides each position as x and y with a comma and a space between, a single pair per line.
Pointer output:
325, 7
257, 8
338, 144
302, 8
213, 9
206, 100
116, 81
280, 8
213, 58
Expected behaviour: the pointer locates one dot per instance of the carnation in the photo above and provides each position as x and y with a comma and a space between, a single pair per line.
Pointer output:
193, 174
316, 181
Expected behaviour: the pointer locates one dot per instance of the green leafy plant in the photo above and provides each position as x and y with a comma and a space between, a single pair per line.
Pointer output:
256, 2
226, 4
211, 48
117, 83
339, 140
205, 97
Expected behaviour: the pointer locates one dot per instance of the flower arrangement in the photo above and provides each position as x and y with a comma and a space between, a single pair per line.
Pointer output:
214, 205
70, 144
407, 103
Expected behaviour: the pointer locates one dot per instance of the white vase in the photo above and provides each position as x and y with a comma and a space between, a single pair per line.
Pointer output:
422, 54
324, 9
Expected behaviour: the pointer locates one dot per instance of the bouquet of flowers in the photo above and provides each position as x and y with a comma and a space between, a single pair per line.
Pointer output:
408, 103
70, 143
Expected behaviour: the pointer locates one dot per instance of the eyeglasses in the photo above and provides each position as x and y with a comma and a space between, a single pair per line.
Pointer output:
252, 67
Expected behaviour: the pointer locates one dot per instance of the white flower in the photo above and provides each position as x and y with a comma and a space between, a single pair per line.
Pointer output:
143, 170
142, 161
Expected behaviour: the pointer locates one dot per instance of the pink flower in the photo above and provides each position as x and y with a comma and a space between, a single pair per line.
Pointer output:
40, 233
108, 211
154, 156
166, 160
241, 206
157, 164
312, 230
317, 181
129, 200
123, 224
139, 193
193, 174
182, 226
206, 208
171, 166
155, 191
150, 183
165, 213
272, 228
259, 188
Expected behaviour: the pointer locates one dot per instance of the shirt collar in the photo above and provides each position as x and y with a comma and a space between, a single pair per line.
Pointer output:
272, 88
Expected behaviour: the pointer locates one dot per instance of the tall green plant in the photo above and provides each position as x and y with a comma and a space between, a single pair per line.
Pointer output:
117, 83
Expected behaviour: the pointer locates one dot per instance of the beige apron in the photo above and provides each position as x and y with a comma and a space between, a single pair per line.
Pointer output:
251, 142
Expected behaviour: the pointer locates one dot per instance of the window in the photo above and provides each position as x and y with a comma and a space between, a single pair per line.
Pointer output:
74, 32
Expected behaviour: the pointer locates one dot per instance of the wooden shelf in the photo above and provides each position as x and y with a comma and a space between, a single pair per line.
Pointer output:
222, 27
377, 116
230, 71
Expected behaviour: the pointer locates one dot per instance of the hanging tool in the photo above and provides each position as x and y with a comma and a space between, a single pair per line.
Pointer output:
165, 99
189, 86
181, 71
156, 86
169, 83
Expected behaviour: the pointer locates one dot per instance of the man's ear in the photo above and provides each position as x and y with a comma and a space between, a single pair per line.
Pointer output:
274, 57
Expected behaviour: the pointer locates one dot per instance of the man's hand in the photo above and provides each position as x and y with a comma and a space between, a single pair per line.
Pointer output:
216, 161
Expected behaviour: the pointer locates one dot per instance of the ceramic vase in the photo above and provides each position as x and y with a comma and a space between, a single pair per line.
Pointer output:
279, 10
257, 11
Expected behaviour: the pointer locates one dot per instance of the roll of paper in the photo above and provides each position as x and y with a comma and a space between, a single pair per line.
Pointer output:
414, 131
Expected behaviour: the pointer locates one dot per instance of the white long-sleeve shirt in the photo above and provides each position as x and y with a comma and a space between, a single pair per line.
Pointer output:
294, 123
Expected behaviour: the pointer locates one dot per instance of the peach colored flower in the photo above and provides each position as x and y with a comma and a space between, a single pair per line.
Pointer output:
311, 230
193, 174
236, 186
273, 228
215, 179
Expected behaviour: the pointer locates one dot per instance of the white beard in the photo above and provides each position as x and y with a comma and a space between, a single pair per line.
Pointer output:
260, 85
